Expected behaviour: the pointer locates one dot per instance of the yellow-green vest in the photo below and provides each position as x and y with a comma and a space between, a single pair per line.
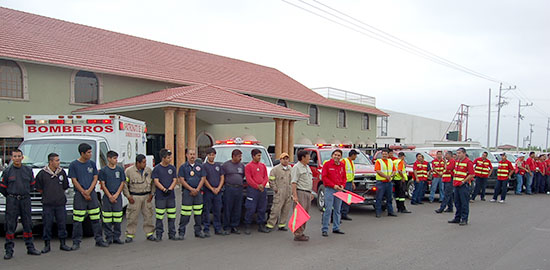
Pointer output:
350, 170
396, 164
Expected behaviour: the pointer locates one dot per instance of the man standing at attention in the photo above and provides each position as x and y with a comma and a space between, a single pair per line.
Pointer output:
279, 182
463, 175
302, 183
334, 179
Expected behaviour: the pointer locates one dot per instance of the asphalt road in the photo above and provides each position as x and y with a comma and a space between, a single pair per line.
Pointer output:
514, 235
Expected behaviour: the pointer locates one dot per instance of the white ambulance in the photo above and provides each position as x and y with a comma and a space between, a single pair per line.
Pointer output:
61, 134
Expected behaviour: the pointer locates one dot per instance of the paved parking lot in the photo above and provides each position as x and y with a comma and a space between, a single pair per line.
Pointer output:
514, 235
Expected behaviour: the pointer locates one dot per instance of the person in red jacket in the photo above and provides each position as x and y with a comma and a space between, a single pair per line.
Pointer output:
504, 172
483, 169
463, 175
256, 195
547, 161
447, 184
532, 167
421, 169
334, 179
521, 173
540, 176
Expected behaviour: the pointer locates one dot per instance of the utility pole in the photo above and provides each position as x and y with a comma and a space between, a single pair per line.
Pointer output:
520, 117
500, 105
547, 130
489, 122
531, 134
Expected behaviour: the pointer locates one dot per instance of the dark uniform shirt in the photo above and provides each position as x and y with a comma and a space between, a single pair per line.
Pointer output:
53, 187
17, 180
166, 176
191, 174
83, 172
213, 173
234, 172
112, 178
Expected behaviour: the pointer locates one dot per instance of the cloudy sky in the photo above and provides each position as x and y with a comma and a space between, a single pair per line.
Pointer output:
503, 39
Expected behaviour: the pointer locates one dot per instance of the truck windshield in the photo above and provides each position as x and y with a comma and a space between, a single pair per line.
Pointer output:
35, 152
475, 153
223, 154
361, 158
410, 157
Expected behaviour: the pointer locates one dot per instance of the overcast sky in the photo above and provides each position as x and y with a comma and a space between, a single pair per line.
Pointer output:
506, 40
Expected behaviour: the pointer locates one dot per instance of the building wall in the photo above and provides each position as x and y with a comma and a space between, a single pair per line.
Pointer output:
413, 129
49, 92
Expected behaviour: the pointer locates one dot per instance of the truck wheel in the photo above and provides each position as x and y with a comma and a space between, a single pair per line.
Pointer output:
410, 189
321, 198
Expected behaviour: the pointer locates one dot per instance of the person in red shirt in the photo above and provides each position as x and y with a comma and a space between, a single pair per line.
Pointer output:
463, 175
421, 168
532, 167
256, 196
521, 173
540, 176
483, 169
438, 166
504, 172
446, 178
547, 178
334, 179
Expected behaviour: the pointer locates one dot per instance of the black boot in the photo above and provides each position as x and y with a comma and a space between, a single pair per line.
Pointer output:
263, 229
63, 246
9, 254
76, 246
33, 251
46, 248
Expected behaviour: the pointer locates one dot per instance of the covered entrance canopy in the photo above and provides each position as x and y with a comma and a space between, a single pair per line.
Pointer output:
183, 105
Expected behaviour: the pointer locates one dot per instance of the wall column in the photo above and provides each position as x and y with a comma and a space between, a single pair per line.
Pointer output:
291, 140
169, 129
285, 136
278, 137
180, 136
192, 129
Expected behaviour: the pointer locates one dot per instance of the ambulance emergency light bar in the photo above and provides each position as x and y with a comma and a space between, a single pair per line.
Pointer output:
237, 141
341, 145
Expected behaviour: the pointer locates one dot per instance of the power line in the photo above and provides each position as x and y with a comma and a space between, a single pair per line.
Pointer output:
387, 38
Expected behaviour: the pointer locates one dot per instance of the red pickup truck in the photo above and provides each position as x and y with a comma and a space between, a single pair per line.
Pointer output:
365, 182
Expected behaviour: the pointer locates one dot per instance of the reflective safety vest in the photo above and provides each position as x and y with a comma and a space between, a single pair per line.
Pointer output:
483, 167
448, 173
504, 169
438, 167
387, 169
350, 170
396, 163
421, 171
460, 172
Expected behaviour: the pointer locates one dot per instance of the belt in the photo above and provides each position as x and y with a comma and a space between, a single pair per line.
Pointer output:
18, 197
232, 185
140, 193
303, 190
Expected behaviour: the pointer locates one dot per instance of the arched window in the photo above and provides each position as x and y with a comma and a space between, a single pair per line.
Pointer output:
204, 141
282, 102
86, 88
313, 115
11, 80
342, 119
366, 123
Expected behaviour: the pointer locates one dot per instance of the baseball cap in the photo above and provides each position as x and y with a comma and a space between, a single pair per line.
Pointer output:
283, 155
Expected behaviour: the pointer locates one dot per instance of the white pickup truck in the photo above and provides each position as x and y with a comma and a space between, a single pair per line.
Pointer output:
61, 134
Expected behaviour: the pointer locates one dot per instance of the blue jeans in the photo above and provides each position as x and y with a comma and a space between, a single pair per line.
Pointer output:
232, 207
333, 206
345, 206
256, 203
481, 185
418, 193
501, 188
519, 183
448, 199
212, 202
384, 189
529, 183
435, 183
462, 202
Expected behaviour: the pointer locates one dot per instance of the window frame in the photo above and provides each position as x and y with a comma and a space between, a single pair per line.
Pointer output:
99, 78
345, 124
24, 82
363, 122
317, 115
283, 101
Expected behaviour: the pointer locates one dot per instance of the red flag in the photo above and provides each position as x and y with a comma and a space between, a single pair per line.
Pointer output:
349, 197
298, 218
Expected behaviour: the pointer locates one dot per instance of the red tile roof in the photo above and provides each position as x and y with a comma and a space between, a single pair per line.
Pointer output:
30, 37
205, 97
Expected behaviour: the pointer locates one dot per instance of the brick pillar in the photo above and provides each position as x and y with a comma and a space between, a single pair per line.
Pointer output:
192, 129
285, 136
169, 129
180, 136
278, 137
291, 140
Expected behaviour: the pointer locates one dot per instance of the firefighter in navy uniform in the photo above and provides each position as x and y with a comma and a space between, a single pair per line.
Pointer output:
17, 183
192, 177
111, 178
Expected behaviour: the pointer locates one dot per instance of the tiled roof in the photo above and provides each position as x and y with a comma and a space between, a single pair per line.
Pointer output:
30, 37
206, 97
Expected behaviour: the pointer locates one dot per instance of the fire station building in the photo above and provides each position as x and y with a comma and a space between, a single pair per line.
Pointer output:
187, 98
